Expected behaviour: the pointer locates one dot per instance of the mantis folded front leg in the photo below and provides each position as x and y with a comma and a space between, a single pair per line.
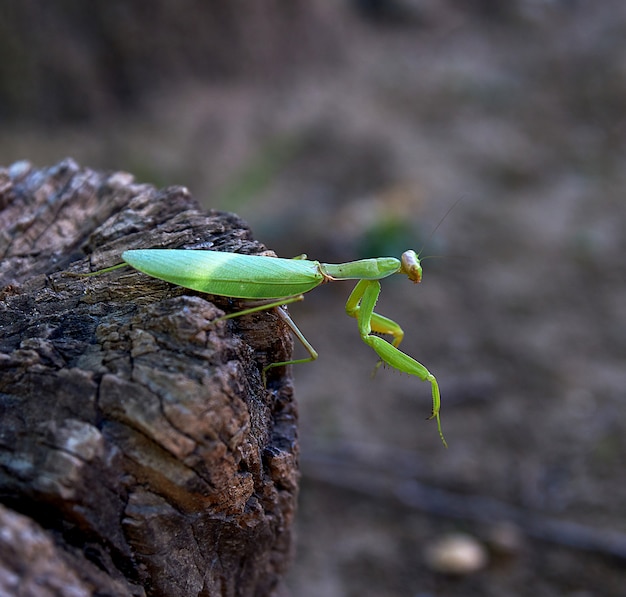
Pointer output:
360, 305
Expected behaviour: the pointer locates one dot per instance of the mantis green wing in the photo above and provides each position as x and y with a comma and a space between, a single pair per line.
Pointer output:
228, 274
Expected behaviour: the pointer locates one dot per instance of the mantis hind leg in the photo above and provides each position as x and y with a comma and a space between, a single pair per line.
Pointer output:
361, 305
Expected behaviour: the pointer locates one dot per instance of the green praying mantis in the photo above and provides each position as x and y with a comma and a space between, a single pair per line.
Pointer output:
272, 283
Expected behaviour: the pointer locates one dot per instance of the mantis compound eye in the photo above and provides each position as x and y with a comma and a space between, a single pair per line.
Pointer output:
411, 266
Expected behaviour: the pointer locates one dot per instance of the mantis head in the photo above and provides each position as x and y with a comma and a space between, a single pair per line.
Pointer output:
411, 266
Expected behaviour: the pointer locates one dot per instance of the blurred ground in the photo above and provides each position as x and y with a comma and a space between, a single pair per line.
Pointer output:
521, 117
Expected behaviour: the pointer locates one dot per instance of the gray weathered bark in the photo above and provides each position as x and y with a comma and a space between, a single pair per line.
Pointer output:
140, 452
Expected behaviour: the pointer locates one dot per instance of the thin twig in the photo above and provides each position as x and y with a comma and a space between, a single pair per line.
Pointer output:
389, 482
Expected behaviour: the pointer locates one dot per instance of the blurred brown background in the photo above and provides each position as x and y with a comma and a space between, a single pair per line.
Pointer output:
349, 129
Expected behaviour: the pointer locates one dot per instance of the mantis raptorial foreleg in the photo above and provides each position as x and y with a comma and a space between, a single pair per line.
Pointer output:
361, 305
378, 323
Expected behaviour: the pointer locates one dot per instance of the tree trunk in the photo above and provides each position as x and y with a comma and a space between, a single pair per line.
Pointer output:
140, 453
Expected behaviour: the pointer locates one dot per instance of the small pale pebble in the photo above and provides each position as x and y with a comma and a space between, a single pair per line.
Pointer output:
457, 554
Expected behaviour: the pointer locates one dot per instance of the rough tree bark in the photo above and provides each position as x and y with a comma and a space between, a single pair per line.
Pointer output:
140, 453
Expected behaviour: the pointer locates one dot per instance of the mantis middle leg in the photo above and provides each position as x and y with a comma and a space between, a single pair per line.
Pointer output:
361, 305
278, 305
